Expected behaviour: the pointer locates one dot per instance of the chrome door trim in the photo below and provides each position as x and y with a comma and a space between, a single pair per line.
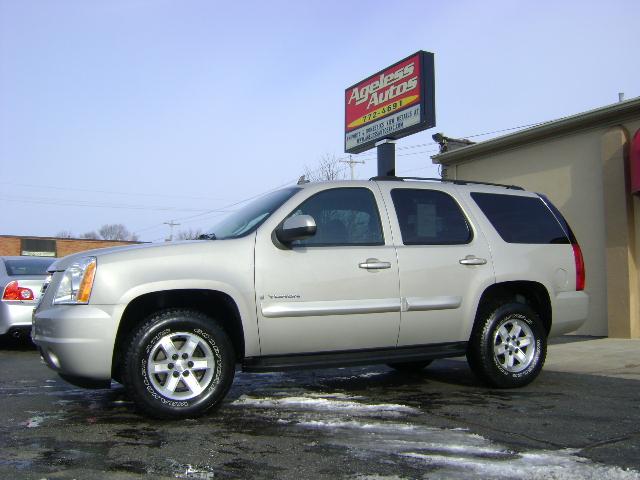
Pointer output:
417, 304
338, 307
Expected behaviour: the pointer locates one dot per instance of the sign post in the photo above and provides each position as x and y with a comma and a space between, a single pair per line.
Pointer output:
391, 104
386, 158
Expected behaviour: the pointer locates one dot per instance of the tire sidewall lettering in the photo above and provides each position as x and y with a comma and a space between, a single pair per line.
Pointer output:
144, 373
535, 361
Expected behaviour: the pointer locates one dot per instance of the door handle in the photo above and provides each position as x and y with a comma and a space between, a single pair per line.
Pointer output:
472, 260
374, 264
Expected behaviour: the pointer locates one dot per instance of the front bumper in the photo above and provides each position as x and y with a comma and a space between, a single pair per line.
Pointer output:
77, 340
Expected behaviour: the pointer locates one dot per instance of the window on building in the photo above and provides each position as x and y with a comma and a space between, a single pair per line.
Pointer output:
38, 247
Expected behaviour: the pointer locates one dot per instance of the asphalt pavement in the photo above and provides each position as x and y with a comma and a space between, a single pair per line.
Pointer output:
579, 420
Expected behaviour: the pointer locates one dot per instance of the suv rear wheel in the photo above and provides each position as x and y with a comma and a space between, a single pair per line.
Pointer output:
508, 345
179, 363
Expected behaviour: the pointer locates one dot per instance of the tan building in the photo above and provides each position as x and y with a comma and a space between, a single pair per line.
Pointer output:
51, 246
582, 164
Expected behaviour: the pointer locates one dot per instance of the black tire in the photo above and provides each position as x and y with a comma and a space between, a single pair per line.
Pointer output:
520, 363
410, 367
189, 380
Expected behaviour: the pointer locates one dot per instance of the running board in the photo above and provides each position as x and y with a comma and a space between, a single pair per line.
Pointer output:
347, 358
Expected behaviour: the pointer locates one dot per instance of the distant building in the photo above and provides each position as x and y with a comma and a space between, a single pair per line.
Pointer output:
582, 164
51, 246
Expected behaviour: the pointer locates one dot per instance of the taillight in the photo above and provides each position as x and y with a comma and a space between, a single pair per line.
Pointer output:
580, 273
13, 291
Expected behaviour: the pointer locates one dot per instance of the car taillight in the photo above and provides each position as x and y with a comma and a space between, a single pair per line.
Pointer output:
580, 273
13, 291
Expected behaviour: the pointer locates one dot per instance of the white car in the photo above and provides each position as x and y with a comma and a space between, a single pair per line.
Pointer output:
21, 280
391, 270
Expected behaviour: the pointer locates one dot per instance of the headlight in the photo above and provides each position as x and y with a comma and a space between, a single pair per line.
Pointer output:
77, 282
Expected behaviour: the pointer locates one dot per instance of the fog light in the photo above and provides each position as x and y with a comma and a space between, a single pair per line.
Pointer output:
50, 359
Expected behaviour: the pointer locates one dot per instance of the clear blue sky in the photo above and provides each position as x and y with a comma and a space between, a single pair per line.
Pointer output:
144, 111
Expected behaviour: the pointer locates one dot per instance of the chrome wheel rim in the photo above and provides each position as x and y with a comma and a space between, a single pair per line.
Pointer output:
514, 345
180, 365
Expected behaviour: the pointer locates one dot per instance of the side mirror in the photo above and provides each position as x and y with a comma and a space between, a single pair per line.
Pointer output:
296, 228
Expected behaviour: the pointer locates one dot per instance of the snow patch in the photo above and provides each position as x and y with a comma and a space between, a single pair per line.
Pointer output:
545, 465
374, 427
370, 375
324, 402
34, 422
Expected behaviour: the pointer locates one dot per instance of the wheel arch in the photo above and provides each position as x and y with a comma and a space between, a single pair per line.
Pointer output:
533, 294
212, 303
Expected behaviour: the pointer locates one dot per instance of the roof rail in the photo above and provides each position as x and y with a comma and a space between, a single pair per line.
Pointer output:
445, 180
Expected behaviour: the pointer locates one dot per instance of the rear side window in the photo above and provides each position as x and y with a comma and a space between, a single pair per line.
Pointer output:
31, 266
520, 219
429, 217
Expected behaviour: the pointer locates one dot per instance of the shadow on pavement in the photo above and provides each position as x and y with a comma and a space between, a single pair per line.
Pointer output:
8, 342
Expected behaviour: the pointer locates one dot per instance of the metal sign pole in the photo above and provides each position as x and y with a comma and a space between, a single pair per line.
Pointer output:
386, 158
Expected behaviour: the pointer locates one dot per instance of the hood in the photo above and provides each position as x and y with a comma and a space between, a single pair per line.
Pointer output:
143, 249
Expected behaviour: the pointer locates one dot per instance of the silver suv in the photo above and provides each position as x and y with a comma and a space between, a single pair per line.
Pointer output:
391, 270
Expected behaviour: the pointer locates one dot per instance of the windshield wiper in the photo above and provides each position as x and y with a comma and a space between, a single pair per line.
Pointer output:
207, 236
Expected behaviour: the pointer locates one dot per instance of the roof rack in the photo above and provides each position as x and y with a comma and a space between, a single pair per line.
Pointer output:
446, 180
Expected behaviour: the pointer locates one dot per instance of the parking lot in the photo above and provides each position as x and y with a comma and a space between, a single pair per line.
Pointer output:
580, 419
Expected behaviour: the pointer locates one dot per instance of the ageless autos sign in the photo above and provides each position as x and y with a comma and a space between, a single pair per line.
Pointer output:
393, 103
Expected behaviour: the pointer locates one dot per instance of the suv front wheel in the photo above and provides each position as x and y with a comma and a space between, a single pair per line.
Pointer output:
508, 345
179, 363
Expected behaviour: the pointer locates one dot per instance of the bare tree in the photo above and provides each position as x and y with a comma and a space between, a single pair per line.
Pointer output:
328, 169
116, 231
64, 234
189, 234
92, 235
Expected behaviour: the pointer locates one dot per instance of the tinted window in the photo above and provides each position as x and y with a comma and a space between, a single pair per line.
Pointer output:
344, 216
520, 219
31, 266
429, 217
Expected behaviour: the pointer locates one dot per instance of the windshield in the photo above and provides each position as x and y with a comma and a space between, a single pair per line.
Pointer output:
251, 216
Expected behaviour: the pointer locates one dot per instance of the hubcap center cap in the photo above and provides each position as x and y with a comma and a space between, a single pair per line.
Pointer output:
180, 366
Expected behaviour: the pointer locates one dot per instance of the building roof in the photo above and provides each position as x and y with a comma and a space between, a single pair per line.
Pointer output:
69, 239
604, 116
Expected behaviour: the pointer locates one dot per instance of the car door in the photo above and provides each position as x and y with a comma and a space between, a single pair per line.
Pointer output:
335, 291
444, 264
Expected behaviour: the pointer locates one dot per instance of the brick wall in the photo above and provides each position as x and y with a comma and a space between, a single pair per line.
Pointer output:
10, 245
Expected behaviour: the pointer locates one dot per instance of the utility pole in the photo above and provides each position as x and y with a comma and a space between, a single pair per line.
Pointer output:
171, 224
351, 163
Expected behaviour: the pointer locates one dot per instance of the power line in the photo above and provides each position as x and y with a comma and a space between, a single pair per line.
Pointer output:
224, 209
364, 157
406, 147
109, 192
171, 224
83, 203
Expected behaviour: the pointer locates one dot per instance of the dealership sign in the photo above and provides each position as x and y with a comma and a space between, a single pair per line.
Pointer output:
393, 103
